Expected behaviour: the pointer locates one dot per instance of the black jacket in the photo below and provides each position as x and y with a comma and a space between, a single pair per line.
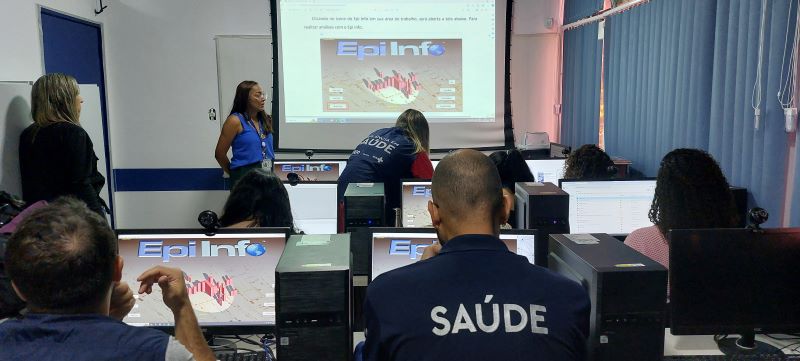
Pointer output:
59, 160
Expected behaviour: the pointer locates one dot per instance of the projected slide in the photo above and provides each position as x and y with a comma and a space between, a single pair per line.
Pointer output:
348, 67
391, 75
229, 280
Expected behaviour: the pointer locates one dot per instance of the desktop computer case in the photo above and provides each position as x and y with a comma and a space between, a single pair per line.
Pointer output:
544, 207
628, 292
313, 299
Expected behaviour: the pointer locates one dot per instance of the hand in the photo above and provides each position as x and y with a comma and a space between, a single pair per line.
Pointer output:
173, 286
431, 251
121, 301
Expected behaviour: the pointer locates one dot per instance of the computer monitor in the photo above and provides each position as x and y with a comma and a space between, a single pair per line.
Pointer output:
397, 247
609, 206
734, 281
546, 170
230, 276
314, 206
310, 170
414, 203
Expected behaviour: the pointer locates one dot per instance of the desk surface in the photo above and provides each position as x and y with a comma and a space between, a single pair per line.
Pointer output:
688, 345
705, 345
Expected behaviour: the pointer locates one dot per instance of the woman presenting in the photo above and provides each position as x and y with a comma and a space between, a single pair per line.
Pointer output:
248, 130
56, 156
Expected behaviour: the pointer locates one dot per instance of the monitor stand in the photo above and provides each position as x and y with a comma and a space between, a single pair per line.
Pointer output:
746, 345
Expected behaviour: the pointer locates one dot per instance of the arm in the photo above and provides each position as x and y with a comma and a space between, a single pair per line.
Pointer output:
230, 129
82, 163
422, 167
173, 288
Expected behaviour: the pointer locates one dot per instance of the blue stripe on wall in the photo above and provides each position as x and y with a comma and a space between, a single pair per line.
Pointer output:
172, 179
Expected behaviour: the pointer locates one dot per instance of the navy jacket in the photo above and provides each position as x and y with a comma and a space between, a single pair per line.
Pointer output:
44, 337
385, 156
475, 301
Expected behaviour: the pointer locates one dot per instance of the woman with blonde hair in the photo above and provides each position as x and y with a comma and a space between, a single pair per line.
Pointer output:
389, 155
56, 156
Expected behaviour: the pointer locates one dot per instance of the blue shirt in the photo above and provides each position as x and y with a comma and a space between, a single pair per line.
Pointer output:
78, 337
247, 147
385, 156
476, 300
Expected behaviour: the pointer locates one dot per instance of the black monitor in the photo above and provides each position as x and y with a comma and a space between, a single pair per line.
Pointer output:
414, 203
609, 206
735, 281
230, 276
397, 247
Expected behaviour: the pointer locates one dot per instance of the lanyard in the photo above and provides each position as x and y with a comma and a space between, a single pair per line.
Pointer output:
261, 136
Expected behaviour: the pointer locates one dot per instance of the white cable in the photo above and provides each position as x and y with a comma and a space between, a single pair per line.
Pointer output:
781, 84
755, 98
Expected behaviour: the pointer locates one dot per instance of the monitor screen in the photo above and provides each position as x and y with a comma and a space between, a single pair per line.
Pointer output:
314, 206
414, 202
547, 170
230, 276
397, 247
612, 206
732, 280
310, 171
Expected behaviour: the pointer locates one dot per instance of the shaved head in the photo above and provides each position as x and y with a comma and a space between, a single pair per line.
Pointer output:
466, 188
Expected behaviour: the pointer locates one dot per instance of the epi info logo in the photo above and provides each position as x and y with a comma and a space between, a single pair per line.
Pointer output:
421, 191
412, 249
306, 168
390, 48
156, 248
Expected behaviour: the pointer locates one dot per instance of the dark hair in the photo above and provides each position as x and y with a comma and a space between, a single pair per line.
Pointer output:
416, 127
512, 168
588, 162
259, 196
691, 192
62, 256
241, 99
466, 183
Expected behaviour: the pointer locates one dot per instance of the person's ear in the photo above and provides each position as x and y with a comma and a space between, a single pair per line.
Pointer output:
16, 290
118, 264
508, 205
436, 219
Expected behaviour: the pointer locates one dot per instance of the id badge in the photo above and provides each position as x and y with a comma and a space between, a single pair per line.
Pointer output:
266, 163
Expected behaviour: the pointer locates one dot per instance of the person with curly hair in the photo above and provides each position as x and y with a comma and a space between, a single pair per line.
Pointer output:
691, 192
589, 162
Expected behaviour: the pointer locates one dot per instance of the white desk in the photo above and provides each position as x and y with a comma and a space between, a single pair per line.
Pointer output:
705, 345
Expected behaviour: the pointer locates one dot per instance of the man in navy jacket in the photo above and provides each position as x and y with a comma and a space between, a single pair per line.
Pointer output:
473, 299
63, 261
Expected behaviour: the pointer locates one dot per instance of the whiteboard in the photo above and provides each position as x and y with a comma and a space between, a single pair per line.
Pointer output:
15, 115
242, 57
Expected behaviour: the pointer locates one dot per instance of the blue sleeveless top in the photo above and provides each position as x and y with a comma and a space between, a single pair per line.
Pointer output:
247, 145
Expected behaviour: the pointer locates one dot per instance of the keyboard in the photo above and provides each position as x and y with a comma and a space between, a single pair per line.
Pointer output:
733, 358
240, 356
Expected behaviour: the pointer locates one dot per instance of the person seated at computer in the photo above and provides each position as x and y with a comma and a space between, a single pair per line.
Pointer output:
512, 168
389, 155
589, 162
475, 300
259, 199
63, 261
691, 192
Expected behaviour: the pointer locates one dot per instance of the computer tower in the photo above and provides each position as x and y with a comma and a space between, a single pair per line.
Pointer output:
361, 248
313, 299
541, 206
628, 292
364, 205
